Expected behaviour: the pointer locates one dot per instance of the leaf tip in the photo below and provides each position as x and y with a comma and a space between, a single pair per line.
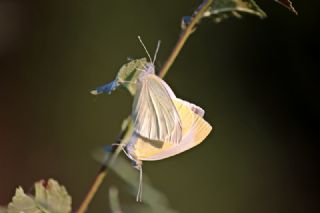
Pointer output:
287, 4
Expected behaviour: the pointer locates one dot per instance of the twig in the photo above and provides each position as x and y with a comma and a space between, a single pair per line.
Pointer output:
197, 15
104, 169
126, 134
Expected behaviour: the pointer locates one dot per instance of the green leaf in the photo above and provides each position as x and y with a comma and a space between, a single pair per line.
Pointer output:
222, 9
114, 200
128, 74
23, 203
49, 197
52, 197
155, 200
288, 4
126, 77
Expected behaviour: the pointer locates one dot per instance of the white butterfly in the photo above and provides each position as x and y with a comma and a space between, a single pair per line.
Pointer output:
154, 113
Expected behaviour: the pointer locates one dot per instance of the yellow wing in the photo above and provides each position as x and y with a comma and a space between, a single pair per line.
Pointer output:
194, 129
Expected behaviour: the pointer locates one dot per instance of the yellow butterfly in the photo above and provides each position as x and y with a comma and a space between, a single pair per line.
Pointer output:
194, 130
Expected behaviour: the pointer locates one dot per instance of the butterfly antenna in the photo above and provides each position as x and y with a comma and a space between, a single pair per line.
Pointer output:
156, 52
144, 47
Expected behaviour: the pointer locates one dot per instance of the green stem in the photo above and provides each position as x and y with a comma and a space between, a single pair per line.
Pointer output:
129, 129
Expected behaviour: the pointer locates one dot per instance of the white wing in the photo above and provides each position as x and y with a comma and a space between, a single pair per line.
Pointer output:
154, 113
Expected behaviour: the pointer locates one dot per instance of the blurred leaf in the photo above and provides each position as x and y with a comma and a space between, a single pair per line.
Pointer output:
287, 4
222, 9
155, 200
151, 196
49, 197
52, 197
127, 76
23, 203
114, 200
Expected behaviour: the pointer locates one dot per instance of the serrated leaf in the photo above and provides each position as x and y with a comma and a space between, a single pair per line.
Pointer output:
49, 197
126, 77
52, 197
288, 4
23, 203
222, 9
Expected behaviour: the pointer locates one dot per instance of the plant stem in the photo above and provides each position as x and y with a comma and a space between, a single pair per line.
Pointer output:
104, 169
126, 134
93, 189
197, 15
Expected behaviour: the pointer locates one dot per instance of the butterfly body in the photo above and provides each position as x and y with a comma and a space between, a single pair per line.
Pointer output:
148, 69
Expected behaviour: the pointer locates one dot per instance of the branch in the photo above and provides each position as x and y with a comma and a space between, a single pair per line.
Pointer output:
196, 17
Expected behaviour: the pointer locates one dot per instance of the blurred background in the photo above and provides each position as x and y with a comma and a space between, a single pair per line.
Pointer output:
255, 78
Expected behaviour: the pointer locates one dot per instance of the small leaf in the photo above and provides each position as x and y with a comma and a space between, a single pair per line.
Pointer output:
127, 76
222, 9
287, 4
23, 203
52, 197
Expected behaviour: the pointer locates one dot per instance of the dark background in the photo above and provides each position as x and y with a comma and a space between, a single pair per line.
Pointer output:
255, 78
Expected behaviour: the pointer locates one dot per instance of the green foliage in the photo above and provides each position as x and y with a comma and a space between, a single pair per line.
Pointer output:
126, 77
114, 200
23, 203
153, 198
222, 9
129, 73
52, 197
49, 197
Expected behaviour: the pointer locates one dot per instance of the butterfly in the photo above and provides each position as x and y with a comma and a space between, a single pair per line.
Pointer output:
164, 125
194, 130
154, 113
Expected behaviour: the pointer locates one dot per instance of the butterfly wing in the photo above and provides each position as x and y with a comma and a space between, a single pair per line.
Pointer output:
154, 113
196, 135
195, 130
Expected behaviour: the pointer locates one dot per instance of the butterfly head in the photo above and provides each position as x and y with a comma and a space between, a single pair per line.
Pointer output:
147, 70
